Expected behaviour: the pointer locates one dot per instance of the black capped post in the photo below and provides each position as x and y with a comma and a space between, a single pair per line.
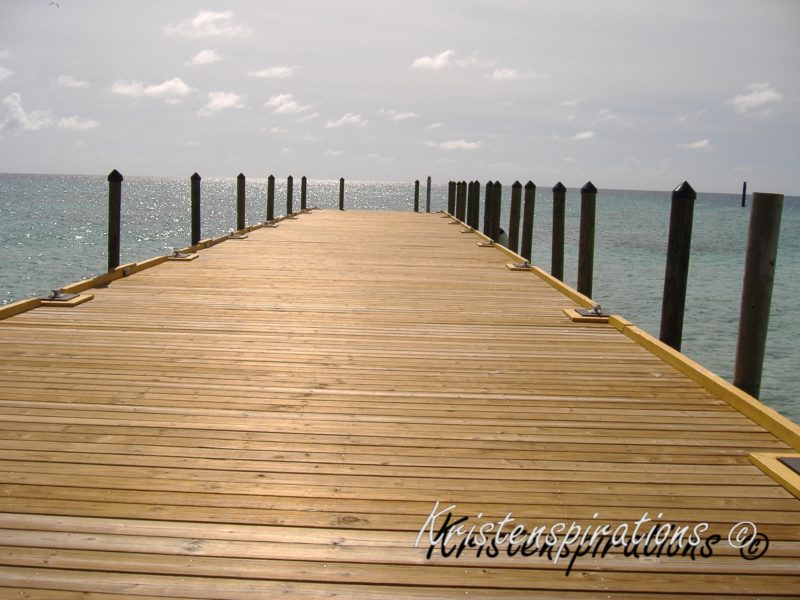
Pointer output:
527, 221
289, 195
513, 221
744, 194
586, 242
497, 195
114, 217
416, 195
428, 196
557, 251
303, 182
487, 209
475, 213
676, 273
461, 201
341, 193
759, 275
195, 191
470, 204
270, 198
451, 198
240, 201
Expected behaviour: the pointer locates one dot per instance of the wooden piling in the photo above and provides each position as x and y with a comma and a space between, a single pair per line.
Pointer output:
341, 193
470, 203
195, 191
416, 195
759, 275
270, 198
497, 195
289, 195
676, 273
451, 198
303, 182
513, 221
527, 221
488, 211
428, 196
586, 242
557, 249
461, 202
744, 194
240, 202
476, 205
114, 217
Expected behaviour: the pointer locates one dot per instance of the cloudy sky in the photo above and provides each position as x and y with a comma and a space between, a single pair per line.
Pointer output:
630, 94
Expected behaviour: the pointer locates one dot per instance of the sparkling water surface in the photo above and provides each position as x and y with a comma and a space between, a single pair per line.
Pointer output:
53, 232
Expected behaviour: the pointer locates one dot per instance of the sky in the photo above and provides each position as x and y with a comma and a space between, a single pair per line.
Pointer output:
638, 94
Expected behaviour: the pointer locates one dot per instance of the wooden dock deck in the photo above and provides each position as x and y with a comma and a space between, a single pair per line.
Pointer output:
279, 417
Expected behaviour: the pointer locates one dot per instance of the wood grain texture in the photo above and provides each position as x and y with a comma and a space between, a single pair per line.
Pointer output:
280, 415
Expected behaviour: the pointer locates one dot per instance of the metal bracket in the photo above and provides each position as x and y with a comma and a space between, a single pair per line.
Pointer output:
59, 298
237, 236
470, 230
520, 266
486, 244
596, 311
178, 255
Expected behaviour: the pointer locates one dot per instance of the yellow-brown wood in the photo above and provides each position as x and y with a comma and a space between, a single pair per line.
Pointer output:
280, 416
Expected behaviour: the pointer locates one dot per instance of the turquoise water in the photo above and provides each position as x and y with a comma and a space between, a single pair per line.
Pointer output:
53, 232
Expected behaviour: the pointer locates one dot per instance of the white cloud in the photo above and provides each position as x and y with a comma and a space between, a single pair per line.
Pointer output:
584, 135
278, 130
308, 117
440, 61
285, 151
758, 96
435, 125
68, 81
704, 144
347, 119
285, 104
455, 145
395, 115
208, 23
513, 75
170, 90
274, 72
4, 73
473, 60
77, 123
310, 138
218, 101
330, 152
16, 118
205, 57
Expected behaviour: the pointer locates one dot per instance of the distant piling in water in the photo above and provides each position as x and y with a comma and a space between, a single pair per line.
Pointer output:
114, 217
341, 193
744, 194
557, 251
428, 196
586, 241
303, 193
195, 193
240, 202
270, 198
416, 195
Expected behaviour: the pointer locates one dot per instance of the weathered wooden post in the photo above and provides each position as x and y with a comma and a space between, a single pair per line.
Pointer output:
677, 270
451, 198
289, 195
527, 221
744, 194
470, 203
759, 275
240, 202
341, 193
303, 193
497, 196
461, 203
557, 252
488, 211
271, 198
586, 242
114, 217
195, 189
513, 221
416, 195
428, 196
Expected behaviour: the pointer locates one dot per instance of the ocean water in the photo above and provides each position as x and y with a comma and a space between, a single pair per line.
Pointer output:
53, 232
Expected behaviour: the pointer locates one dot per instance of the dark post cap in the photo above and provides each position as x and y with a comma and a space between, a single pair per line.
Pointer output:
559, 187
517, 184
589, 188
240, 176
271, 177
341, 178
497, 184
490, 182
115, 176
416, 181
195, 177
303, 177
684, 192
530, 186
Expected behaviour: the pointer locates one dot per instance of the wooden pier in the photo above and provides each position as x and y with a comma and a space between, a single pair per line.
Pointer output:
279, 416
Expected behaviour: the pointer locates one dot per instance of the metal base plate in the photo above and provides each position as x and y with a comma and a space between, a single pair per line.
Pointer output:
73, 300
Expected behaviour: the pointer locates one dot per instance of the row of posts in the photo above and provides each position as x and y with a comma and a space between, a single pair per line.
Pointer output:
463, 202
